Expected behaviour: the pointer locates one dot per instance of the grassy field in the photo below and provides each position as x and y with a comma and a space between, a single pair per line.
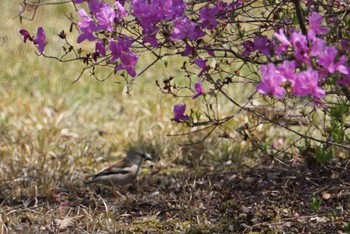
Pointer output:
55, 133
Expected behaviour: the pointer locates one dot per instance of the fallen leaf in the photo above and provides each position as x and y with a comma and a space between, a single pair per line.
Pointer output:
63, 224
319, 219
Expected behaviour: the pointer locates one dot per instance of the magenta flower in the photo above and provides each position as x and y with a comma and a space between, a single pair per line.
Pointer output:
95, 6
199, 89
128, 63
188, 50
282, 38
121, 10
150, 13
100, 50
285, 43
263, 44
179, 113
208, 17
287, 69
300, 46
202, 63
87, 27
248, 48
326, 60
121, 50
211, 52
306, 83
105, 18
176, 9
318, 46
26, 35
345, 45
121, 47
272, 80
40, 39
315, 26
345, 79
150, 35
186, 29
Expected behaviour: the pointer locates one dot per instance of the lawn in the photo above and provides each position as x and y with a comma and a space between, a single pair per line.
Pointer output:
54, 133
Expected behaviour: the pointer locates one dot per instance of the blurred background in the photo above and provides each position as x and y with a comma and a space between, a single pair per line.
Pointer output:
55, 131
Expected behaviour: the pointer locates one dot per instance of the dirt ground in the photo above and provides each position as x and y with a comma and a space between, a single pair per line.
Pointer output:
273, 199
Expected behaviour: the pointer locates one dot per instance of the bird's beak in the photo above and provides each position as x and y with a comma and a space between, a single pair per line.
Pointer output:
148, 157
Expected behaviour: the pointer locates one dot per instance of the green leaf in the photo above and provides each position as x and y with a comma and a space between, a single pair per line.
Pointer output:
323, 155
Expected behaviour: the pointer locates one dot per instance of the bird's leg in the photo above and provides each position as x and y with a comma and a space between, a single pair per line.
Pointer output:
119, 194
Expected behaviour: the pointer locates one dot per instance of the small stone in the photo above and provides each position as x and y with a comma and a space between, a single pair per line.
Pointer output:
231, 228
325, 195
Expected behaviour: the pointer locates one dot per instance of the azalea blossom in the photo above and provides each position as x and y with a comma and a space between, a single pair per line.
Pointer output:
128, 62
315, 26
186, 29
179, 113
105, 18
100, 50
208, 17
199, 89
40, 39
26, 35
271, 82
326, 60
306, 83
87, 27
202, 64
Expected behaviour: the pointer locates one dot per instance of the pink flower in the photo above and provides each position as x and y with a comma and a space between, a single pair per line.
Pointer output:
128, 63
315, 26
287, 69
263, 44
188, 50
100, 50
300, 46
318, 46
306, 83
208, 17
95, 6
26, 35
118, 48
121, 10
272, 80
87, 26
345, 79
202, 64
179, 113
285, 43
186, 29
40, 39
105, 18
121, 50
199, 89
326, 60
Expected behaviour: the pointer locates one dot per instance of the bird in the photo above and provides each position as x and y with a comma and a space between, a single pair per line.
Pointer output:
123, 172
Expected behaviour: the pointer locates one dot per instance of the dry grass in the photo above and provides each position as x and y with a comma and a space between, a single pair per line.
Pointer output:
54, 133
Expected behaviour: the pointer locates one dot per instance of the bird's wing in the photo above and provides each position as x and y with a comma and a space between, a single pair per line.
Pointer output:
123, 167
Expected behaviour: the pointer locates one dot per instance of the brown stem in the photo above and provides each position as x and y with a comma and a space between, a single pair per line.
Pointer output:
300, 16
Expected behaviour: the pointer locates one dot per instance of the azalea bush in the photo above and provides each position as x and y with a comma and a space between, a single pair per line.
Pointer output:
283, 63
